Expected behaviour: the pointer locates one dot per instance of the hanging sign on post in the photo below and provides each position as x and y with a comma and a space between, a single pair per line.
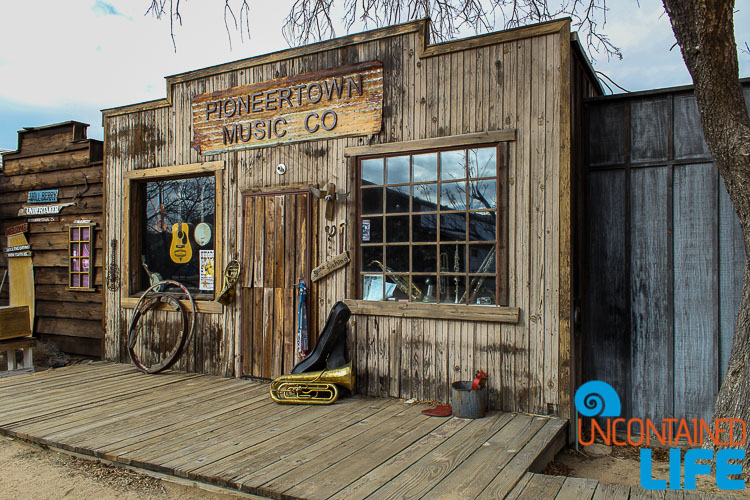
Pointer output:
45, 196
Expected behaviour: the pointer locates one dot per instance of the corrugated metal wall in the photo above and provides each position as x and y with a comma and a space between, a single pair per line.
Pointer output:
664, 256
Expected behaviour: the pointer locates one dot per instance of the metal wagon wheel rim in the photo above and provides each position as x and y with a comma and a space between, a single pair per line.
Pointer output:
149, 300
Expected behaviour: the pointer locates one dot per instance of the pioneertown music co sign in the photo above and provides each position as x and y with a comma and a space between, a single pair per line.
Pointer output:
342, 101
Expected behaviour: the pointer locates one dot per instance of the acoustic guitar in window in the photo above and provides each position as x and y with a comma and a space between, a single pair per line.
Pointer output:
180, 250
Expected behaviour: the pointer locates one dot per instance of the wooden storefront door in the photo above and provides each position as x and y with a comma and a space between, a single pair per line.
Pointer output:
276, 256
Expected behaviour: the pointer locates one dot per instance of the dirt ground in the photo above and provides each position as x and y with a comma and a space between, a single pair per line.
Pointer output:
27, 471
621, 465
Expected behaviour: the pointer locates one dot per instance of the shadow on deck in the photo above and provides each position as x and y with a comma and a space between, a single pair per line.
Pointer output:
228, 432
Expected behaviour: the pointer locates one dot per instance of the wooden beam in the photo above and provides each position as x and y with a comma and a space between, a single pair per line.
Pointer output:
181, 170
494, 136
491, 314
498, 37
203, 306
565, 290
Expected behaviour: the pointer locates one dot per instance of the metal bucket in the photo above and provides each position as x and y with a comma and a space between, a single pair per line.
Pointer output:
468, 402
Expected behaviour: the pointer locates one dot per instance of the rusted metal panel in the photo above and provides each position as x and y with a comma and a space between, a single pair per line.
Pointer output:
342, 101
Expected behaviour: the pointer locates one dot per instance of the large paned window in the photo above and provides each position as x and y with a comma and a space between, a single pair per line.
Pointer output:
432, 227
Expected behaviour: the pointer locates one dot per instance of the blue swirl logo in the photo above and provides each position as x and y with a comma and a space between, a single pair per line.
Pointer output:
597, 399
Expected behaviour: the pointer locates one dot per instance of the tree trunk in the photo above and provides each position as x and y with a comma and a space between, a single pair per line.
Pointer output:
705, 33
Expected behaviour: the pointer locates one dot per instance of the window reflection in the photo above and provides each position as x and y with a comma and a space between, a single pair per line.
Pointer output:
178, 222
429, 234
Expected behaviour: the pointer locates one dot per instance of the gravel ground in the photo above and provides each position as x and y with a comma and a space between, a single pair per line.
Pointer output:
27, 471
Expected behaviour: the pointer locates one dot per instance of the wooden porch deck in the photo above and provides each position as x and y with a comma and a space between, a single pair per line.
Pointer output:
228, 432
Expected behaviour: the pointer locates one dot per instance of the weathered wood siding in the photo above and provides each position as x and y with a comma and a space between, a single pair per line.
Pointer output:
57, 157
664, 257
520, 80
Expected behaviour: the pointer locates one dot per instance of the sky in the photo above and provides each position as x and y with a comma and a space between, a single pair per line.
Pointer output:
68, 60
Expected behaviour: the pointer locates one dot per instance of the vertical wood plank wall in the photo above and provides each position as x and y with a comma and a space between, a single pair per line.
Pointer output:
665, 256
454, 89
57, 157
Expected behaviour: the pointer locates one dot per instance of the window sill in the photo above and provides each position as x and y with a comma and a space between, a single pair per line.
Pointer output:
491, 314
203, 306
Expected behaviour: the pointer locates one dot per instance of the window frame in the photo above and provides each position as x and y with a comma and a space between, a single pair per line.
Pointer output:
92, 251
131, 232
501, 220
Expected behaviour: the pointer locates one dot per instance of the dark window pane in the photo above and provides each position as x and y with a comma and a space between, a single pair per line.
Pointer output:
482, 290
397, 229
397, 169
397, 287
397, 258
372, 229
453, 287
372, 286
428, 285
453, 196
425, 167
453, 165
453, 227
482, 194
482, 258
424, 227
482, 162
372, 201
425, 198
172, 210
369, 257
397, 199
424, 258
482, 226
372, 171
452, 258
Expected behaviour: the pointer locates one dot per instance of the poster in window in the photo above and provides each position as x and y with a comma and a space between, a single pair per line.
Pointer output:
207, 270
365, 229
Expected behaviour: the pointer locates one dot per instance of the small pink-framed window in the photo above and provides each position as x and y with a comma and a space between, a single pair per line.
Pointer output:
80, 252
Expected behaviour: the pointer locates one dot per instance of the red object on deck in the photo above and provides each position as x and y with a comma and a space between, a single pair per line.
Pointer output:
439, 411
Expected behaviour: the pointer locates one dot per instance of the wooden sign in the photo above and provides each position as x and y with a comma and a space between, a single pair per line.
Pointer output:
45, 196
26, 253
17, 248
18, 228
338, 102
54, 218
329, 266
43, 209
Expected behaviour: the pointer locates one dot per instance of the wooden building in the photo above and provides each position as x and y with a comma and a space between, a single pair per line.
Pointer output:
53, 183
457, 167
664, 255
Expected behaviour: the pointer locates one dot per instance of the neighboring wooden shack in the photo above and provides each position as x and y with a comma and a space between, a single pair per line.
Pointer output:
59, 159
665, 255
462, 163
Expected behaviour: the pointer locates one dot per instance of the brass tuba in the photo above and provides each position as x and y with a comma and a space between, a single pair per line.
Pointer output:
312, 388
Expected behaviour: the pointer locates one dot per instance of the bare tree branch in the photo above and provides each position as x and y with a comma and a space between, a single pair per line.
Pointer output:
311, 20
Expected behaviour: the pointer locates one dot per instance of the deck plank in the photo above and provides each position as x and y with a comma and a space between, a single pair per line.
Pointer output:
377, 477
576, 488
339, 475
281, 446
611, 492
344, 444
503, 483
228, 432
541, 486
478, 470
422, 476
